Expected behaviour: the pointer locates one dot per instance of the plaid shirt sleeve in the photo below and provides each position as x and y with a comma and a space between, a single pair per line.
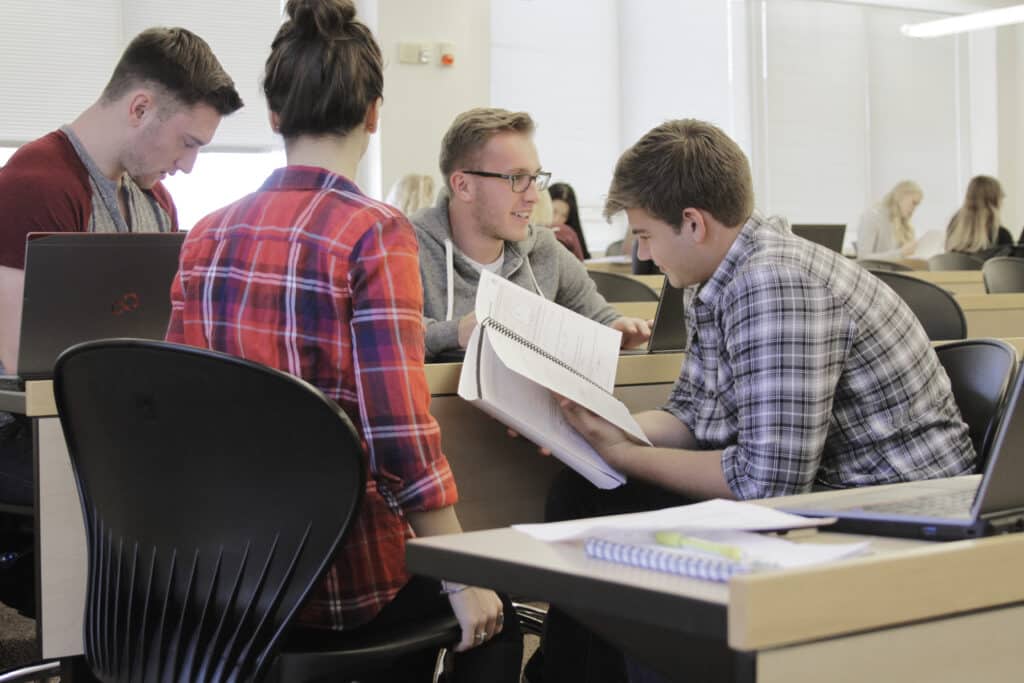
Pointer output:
787, 339
403, 439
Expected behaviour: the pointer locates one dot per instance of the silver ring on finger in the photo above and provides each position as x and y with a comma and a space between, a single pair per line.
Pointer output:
481, 636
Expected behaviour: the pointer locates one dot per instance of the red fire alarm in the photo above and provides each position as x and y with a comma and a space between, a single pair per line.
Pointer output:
447, 52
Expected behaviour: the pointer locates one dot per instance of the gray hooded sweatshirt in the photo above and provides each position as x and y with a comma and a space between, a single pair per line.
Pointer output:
539, 263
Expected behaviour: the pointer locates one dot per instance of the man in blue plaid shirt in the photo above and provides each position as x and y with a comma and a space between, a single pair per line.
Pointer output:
803, 370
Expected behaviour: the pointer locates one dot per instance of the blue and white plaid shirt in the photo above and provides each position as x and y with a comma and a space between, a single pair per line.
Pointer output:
807, 370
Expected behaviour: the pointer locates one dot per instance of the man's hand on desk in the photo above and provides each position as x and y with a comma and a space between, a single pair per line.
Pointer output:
467, 324
635, 332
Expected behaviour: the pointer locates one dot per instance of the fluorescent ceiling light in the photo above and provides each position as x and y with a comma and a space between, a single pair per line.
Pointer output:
965, 22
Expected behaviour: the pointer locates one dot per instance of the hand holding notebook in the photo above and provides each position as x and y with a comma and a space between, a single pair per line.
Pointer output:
526, 347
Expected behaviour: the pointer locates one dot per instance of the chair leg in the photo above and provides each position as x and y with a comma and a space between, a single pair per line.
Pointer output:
442, 666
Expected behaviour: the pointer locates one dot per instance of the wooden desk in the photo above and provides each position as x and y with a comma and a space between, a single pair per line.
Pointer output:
912, 611
993, 315
955, 281
501, 481
623, 268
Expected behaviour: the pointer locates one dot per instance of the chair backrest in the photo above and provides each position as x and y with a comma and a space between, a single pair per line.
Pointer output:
614, 249
215, 492
939, 313
878, 264
1003, 274
617, 287
980, 371
954, 260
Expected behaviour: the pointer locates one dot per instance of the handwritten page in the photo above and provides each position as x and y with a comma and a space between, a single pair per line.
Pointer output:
717, 514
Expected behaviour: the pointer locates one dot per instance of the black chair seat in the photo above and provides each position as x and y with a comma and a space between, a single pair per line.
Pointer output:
937, 309
308, 654
1003, 274
617, 287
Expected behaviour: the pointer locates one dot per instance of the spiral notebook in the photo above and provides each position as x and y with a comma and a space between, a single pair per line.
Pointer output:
526, 347
706, 558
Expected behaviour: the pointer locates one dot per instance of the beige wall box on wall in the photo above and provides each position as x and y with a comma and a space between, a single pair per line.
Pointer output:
415, 53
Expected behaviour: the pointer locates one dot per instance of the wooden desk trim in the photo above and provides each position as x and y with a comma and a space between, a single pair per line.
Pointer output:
769, 610
646, 368
990, 302
39, 400
948, 277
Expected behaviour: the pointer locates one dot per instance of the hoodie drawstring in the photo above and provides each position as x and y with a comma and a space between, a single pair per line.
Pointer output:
449, 258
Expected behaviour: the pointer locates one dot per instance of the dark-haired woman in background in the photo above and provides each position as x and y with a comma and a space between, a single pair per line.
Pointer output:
310, 276
567, 212
975, 228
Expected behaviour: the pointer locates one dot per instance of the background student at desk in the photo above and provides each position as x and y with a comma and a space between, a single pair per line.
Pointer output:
803, 369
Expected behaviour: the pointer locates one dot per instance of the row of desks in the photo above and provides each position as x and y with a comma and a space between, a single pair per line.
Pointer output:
957, 282
501, 481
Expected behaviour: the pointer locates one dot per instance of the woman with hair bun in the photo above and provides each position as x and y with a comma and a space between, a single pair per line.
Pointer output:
310, 276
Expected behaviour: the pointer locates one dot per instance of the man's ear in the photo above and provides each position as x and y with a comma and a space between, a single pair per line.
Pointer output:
141, 105
694, 224
460, 186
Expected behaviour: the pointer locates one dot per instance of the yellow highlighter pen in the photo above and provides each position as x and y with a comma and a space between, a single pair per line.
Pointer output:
677, 540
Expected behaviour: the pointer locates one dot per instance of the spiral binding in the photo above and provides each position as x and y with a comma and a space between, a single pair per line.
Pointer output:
506, 331
695, 566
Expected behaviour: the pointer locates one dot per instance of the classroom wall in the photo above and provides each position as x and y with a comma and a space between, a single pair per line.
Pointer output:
420, 101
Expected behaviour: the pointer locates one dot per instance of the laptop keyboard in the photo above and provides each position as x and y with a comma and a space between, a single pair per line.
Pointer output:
942, 504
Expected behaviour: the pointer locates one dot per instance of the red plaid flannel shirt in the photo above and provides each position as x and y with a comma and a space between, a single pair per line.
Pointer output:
310, 276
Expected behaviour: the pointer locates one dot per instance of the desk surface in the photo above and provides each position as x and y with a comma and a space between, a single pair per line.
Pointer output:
903, 581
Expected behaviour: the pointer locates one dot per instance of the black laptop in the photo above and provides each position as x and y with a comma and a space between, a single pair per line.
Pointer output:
961, 509
668, 335
830, 236
83, 286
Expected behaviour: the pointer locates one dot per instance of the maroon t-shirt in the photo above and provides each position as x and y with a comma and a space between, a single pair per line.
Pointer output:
45, 187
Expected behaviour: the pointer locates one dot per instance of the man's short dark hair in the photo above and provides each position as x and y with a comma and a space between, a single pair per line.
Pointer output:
179, 62
683, 164
472, 130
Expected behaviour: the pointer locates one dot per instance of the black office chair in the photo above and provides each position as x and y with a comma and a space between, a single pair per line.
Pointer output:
215, 492
939, 313
617, 287
879, 264
981, 372
614, 249
954, 260
1003, 274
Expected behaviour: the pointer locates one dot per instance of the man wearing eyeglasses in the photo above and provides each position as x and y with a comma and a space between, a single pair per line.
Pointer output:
482, 221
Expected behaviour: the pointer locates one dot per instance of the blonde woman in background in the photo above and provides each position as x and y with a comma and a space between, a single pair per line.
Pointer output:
411, 192
543, 214
884, 230
975, 228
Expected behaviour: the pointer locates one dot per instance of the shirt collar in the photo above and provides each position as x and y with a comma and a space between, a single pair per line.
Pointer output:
734, 259
308, 178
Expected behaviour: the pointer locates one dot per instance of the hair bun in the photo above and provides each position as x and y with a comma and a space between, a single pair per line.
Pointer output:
313, 18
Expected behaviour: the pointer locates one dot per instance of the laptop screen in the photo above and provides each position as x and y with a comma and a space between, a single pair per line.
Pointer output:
1000, 487
84, 286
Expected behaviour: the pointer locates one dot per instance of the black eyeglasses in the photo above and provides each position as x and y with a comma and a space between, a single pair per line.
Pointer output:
519, 181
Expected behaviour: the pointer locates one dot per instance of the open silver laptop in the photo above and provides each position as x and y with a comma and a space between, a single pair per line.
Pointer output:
963, 509
83, 286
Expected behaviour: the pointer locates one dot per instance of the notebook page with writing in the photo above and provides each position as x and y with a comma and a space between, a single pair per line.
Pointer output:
523, 349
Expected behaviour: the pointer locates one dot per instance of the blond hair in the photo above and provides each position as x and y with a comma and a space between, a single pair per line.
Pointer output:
902, 230
975, 226
683, 164
411, 192
473, 129
543, 212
